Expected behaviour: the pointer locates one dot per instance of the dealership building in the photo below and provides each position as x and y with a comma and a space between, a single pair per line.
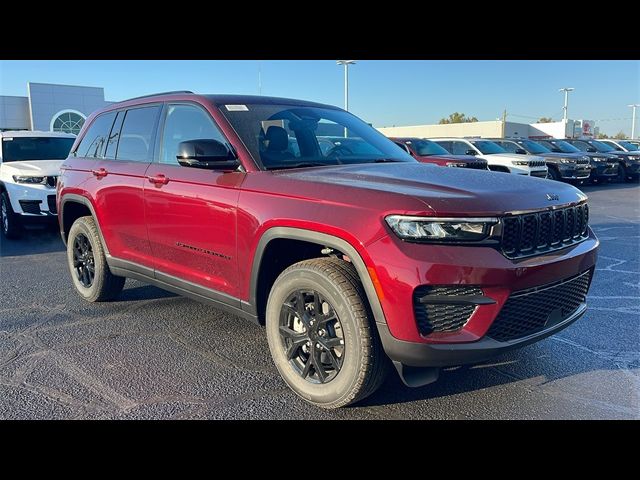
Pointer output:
50, 107
497, 129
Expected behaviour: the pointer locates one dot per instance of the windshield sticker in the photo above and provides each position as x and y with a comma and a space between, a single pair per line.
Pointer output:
7, 139
237, 108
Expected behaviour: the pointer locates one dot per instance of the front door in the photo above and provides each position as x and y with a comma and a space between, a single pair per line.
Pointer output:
191, 212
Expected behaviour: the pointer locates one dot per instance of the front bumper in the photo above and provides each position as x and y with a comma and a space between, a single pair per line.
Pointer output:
604, 170
32, 201
579, 172
414, 354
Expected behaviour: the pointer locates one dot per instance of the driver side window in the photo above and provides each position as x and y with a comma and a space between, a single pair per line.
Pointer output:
509, 147
186, 122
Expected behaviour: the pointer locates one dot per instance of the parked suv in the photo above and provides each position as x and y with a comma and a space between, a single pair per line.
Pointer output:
497, 157
570, 167
621, 145
604, 167
29, 166
351, 259
628, 162
426, 151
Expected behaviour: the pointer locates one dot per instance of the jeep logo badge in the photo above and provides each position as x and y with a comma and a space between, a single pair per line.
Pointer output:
552, 196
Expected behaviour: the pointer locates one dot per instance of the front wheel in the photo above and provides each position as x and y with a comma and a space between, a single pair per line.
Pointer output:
622, 173
88, 265
320, 334
8, 219
553, 174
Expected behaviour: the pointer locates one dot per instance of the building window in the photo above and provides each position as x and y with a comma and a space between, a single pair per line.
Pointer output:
67, 121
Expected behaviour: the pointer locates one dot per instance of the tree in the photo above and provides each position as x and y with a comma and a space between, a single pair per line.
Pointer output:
545, 120
457, 118
601, 135
620, 135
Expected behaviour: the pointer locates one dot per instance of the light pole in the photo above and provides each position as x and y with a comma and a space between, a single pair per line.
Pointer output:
633, 119
346, 64
566, 102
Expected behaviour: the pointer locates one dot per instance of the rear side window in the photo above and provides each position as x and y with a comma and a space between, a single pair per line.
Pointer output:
509, 147
94, 142
112, 141
446, 145
137, 134
459, 148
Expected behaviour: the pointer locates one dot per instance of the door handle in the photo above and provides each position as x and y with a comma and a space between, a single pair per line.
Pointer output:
100, 173
159, 179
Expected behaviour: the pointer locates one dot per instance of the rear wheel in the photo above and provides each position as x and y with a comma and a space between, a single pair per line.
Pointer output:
88, 265
320, 334
8, 219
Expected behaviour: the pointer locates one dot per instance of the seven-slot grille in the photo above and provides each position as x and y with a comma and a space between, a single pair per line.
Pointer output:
436, 317
582, 161
537, 163
541, 232
477, 165
529, 311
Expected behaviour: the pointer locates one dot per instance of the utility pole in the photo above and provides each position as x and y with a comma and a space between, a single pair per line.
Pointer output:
504, 122
566, 102
346, 64
633, 119
259, 77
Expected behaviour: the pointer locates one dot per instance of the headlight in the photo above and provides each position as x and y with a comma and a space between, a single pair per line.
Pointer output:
455, 164
26, 179
520, 162
567, 160
598, 159
637, 157
425, 229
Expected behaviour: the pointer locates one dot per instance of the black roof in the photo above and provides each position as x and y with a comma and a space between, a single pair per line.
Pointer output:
249, 99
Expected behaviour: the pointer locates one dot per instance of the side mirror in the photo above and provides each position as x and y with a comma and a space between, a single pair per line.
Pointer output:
556, 150
471, 152
619, 148
206, 153
591, 150
521, 151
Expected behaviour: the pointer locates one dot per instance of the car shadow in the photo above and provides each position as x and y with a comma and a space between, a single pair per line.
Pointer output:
615, 185
34, 240
143, 292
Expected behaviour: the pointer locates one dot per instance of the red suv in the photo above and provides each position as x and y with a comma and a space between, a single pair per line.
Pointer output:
351, 259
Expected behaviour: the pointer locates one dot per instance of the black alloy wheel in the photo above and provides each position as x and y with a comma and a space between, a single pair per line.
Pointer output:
83, 260
312, 336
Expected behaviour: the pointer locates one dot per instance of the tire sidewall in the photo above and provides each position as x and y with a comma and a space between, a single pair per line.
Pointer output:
12, 225
344, 382
88, 293
554, 175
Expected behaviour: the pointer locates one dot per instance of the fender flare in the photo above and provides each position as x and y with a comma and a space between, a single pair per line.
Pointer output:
75, 198
321, 239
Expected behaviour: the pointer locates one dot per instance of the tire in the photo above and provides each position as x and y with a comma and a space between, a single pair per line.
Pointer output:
553, 174
9, 221
622, 173
103, 285
364, 364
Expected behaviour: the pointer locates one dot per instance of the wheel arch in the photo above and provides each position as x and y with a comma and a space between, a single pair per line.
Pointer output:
322, 240
73, 206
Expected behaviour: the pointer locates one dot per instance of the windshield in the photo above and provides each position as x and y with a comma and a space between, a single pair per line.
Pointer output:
424, 148
487, 147
601, 147
15, 149
533, 147
322, 136
561, 145
629, 146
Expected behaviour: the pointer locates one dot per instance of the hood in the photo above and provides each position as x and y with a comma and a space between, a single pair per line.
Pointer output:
633, 156
454, 158
573, 156
36, 168
610, 157
428, 188
510, 156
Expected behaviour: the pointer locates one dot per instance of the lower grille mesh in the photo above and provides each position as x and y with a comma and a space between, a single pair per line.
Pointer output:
432, 317
529, 311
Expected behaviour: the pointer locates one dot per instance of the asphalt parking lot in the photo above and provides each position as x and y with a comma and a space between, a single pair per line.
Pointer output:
152, 354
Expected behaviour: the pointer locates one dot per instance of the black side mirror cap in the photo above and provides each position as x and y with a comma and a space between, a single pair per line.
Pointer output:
206, 153
471, 152
521, 151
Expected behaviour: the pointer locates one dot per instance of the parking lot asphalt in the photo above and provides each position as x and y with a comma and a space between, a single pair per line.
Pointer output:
152, 354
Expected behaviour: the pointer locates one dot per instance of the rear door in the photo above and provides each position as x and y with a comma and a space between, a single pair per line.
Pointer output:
118, 180
191, 214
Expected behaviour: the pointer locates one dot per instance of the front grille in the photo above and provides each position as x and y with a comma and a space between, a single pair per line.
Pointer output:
477, 165
537, 163
532, 310
30, 206
51, 202
539, 173
51, 181
541, 232
582, 161
432, 317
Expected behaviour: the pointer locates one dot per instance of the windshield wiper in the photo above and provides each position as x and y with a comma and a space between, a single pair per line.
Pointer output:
300, 165
386, 160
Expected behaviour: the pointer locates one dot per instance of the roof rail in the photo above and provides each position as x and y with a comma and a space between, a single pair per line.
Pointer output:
156, 94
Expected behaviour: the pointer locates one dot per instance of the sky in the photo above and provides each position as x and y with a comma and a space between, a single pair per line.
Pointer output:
382, 92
